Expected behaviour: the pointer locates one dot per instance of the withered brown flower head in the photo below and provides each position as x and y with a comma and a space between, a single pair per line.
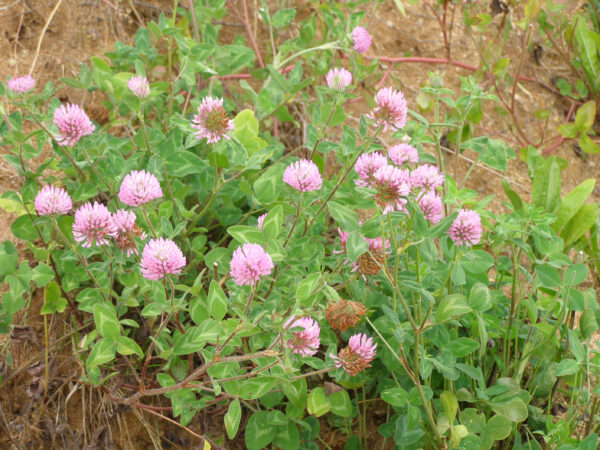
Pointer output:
369, 263
344, 314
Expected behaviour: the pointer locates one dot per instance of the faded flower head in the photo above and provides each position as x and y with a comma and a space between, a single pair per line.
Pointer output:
161, 257
338, 79
212, 122
403, 153
361, 40
92, 225
124, 229
261, 219
52, 200
426, 177
391, 108
366, 166
303, 175
392, 186
344, 314
370, 262
306, 341
72, 123
139, 86
139, 187
248, 263
466, 228
20, 85
430, 205
357, 356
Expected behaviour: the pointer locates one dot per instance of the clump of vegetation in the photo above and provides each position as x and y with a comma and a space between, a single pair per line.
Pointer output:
204, 259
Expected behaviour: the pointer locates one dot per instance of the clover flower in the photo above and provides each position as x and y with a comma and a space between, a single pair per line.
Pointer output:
392, 185
212, 121
361, 40
72, 123
357, 356
426, 177
261, 219
430, 205
20, 85
248, 263
306, 341
124, 229
92, 225
139, 86
338, 79
344, 314
303, 175
403, 153
391, 109
139, 187
466, 228
52, 200
161, 257
366, 166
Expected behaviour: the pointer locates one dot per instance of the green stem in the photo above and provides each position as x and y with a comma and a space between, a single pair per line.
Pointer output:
442, 287
80, 257
295, 220
143, 127
100, 177
250, 298
414, 375
458, 142
326, 46
147, 219
320, 135
170, 60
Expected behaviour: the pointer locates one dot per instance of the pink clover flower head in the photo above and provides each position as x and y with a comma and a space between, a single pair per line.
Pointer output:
303, 175
92, 225
261, 219
403, 153
124, 229
248, 263
466, 228
306, 341
366, 166
139, 86
52, 200
20, 85
357, 356
376, 245
361, 40
338, 79
139, 187
161, 257
430, 205
391, 109
212, 121
72, 123
426, 177
392, 186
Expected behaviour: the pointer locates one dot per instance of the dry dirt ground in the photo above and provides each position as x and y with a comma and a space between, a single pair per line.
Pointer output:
72, 415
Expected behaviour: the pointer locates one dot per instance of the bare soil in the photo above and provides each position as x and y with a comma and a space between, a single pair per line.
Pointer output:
71, 414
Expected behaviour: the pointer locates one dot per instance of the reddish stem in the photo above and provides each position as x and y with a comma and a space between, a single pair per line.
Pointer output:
384, 77
250, 35
561, 138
